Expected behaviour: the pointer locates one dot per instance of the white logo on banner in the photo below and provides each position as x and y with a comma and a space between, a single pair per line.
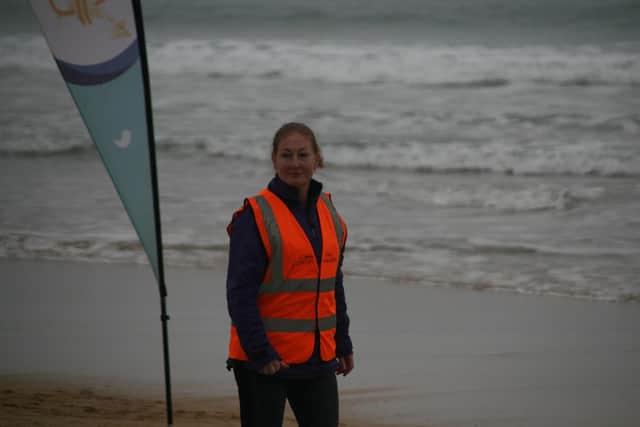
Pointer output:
125, 139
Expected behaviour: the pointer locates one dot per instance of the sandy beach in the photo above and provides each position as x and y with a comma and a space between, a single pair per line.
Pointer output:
56, 402
50, 401
82, 347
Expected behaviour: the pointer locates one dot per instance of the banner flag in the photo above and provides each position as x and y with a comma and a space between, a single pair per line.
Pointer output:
96, 46
100, 50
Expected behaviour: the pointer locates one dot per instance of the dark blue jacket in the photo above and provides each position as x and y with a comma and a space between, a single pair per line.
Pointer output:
247, 266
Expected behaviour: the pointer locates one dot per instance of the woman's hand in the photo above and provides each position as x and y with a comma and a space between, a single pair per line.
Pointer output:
345, 365
273, 367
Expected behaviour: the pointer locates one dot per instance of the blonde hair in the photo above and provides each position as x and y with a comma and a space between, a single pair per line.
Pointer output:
304, 130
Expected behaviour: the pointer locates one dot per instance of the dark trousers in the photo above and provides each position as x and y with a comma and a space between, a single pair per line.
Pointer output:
262, 399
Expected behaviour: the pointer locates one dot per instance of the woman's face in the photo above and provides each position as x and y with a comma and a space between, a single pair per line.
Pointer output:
295, 161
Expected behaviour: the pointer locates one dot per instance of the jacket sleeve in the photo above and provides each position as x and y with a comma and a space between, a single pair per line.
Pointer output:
247, 266
344, 347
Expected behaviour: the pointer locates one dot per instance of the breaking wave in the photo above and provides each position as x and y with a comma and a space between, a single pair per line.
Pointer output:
415, 65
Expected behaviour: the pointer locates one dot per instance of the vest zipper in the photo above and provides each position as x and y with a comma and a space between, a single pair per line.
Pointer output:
317, 332
319, 260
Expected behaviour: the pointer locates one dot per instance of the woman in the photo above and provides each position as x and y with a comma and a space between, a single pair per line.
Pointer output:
290, 329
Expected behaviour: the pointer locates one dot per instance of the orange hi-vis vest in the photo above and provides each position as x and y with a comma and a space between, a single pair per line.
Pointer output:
297, 294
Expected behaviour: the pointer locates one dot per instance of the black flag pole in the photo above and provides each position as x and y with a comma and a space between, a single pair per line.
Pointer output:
164, 317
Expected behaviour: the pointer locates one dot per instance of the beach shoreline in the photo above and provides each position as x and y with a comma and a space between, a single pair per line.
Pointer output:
36, 400
424, 356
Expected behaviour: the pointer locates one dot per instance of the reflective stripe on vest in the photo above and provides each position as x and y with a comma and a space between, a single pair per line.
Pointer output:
299, 325
337, 222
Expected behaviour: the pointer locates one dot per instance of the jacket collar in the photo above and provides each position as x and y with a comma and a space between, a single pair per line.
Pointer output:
290, 194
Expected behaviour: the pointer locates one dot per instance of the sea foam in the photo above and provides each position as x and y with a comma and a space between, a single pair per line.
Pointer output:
417, 64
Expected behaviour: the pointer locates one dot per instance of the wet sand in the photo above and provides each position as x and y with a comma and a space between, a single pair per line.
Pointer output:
58, 402
39, 401
82, 346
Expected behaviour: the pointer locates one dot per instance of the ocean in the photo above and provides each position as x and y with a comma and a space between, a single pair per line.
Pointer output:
490, 145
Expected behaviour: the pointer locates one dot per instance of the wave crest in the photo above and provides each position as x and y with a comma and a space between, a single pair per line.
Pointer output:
416, 65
